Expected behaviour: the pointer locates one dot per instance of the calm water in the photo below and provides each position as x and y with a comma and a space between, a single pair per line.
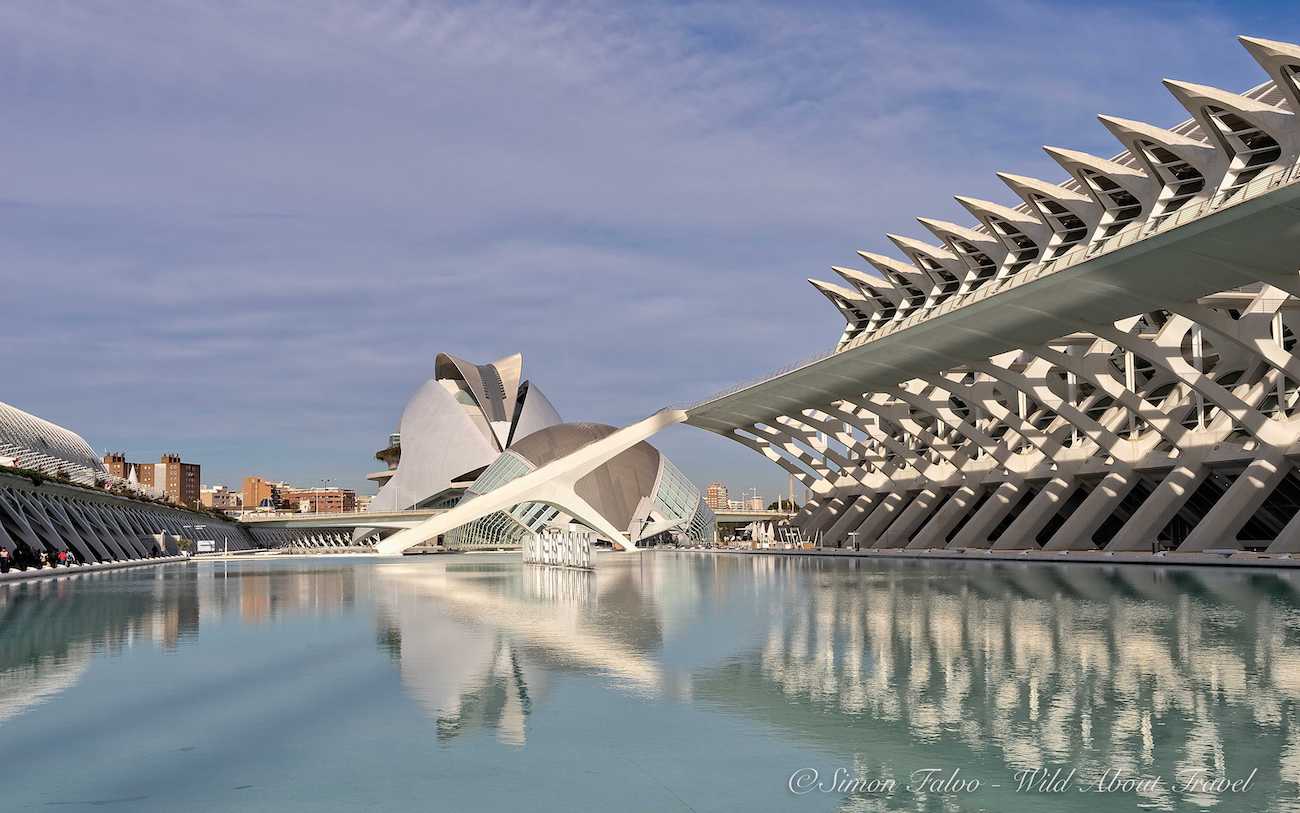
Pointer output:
664, 682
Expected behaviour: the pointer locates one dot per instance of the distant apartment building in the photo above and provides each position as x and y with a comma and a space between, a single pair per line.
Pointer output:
320, 500
363, 502
179, 481
221, 498
176, 480
259, 493
715, 496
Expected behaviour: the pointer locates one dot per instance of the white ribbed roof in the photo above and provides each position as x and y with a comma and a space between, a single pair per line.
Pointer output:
27, 432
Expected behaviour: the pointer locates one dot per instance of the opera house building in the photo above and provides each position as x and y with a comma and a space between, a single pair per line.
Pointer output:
472, 428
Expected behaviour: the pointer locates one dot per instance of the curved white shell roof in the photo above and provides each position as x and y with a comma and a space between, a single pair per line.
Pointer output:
459, 421
24, 432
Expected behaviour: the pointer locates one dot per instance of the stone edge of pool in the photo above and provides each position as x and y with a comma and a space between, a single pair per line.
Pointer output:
1080, 557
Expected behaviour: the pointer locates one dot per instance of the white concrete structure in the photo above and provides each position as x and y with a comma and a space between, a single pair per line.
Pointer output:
1108, 362
456, 424
639, 491
78, 515
95, 526
555, 483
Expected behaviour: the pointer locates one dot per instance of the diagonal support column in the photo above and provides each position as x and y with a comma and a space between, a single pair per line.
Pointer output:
1022, 532
1077, 531
975, 534
1219, 528
552, 484
934, 534
880, 518
853, 515
826, 516
1140, 532
900, 530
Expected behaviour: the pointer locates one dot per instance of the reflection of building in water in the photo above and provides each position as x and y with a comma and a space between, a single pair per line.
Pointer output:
255, 598
50, 629
260, 594
559, 585
501, 703
465, 676
997, 668
29, 684
474, 655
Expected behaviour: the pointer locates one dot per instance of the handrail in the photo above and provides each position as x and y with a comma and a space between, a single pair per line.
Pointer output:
1157, 224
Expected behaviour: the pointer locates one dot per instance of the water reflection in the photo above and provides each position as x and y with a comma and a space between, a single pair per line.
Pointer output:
995, 668
259, 595
479, 643
49, 631
881, 667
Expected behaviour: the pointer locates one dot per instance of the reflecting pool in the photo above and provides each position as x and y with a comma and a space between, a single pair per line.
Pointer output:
664, 681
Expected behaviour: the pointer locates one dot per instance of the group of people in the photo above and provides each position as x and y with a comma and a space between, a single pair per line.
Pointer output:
22, 557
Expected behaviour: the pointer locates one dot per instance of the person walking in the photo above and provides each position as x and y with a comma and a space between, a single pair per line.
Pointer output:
6, 559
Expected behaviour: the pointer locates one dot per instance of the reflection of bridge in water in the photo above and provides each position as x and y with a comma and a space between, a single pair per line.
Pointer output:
512, 631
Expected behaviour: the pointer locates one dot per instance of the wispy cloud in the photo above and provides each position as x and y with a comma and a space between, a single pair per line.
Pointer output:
244, 229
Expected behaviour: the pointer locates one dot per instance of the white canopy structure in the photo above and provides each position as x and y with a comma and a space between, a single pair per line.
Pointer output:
1105, 363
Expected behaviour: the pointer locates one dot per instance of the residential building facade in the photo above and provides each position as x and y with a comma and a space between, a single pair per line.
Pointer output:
715, 496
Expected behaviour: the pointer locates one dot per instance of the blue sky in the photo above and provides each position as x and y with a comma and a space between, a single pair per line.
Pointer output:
242, 230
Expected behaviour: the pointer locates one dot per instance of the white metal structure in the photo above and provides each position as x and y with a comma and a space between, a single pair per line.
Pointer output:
1109, 363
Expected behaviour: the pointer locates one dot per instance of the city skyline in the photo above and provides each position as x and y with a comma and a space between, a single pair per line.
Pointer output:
255, 268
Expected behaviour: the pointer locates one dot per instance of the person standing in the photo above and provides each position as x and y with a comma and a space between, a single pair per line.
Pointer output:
6, 559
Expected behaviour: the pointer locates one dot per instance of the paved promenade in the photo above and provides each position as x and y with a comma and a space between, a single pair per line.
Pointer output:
77, 570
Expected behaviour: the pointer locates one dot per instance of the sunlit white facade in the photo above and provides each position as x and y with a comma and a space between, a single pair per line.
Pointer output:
454, 425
